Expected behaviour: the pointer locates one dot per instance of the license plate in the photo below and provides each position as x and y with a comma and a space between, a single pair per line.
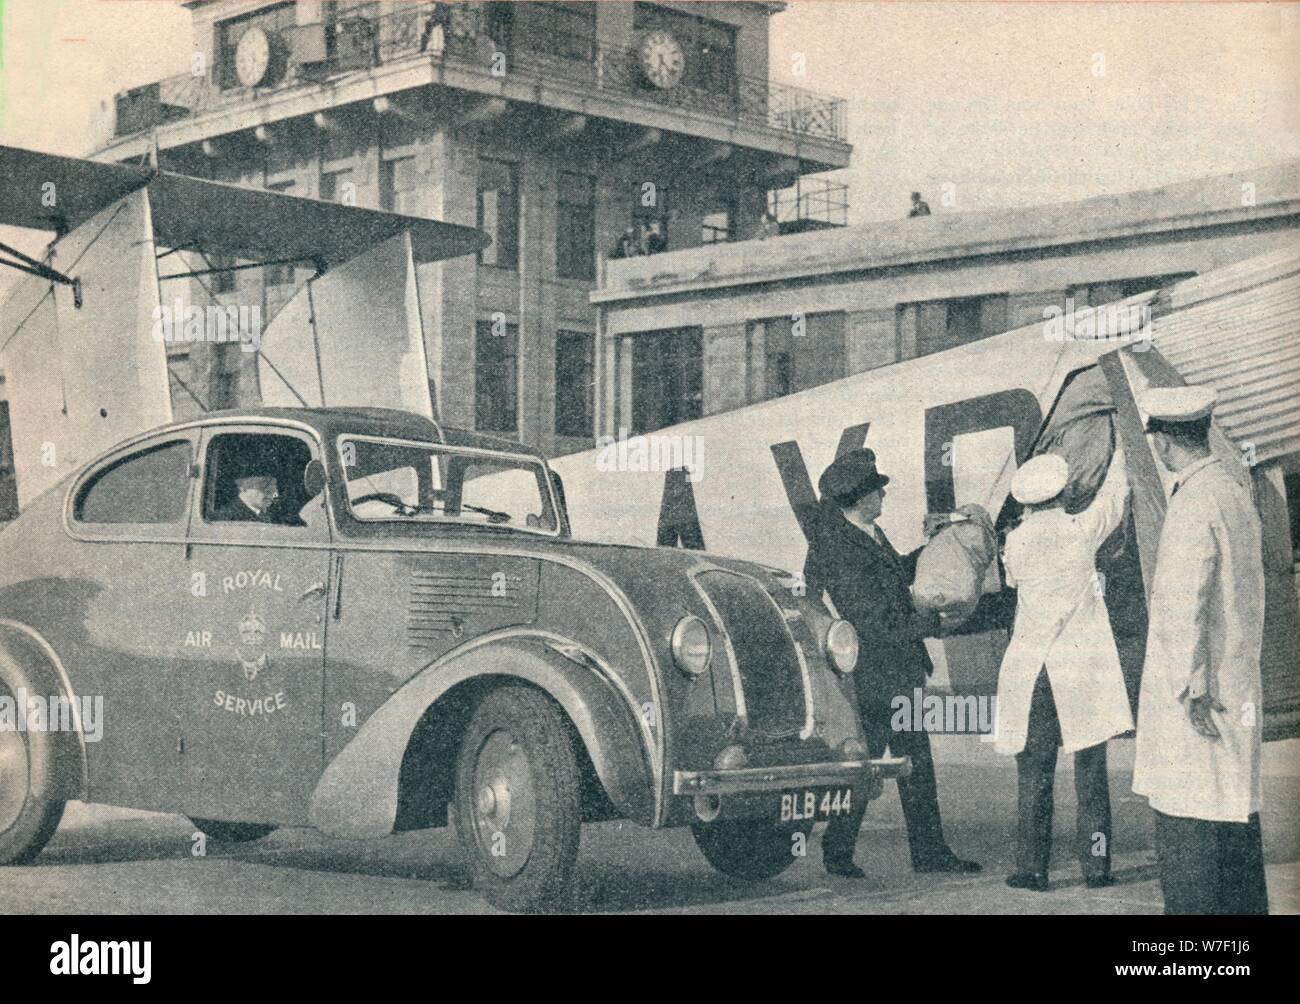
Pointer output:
815, 804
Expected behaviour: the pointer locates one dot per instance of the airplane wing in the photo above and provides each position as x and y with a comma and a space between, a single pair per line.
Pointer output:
1234, 329
45, 191
81, 343
258, 225
309, 360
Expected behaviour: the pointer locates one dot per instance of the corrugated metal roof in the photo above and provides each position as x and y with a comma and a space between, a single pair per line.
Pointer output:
1237, 330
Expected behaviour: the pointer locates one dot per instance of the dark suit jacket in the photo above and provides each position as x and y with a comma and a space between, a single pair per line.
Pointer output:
235, 511
868, 584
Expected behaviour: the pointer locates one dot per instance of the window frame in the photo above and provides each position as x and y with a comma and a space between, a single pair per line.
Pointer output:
1140, 284
173, 531
347, 172
512, 332
280, 275
517, 209
252, 533
547, 486
925, 342
389, 193
669, 384
725, 234
589, 338
567, 249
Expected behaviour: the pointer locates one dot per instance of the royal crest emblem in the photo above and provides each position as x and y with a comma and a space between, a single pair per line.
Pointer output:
251, 651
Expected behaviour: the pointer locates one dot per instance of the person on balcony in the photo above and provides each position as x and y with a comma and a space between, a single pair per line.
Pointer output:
628, 245
433, 37
653, 237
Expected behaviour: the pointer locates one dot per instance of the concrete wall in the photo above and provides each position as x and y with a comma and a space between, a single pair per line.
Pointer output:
867, 301
1023, 276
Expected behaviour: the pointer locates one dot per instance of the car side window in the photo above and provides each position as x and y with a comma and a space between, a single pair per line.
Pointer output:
146, 487
256, 478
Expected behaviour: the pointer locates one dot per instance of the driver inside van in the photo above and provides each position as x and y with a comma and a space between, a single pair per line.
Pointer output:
254, 502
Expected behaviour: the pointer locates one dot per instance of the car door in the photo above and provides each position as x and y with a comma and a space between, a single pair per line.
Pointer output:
251, 694
396, 611
118, 607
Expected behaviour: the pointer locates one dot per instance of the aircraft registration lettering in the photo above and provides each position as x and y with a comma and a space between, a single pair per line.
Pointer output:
1016, 408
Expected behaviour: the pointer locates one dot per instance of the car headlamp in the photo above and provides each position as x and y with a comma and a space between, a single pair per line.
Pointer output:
691, 645
842, 646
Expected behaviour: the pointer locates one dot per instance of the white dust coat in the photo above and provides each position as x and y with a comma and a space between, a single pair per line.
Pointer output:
1061, 624
1206, 629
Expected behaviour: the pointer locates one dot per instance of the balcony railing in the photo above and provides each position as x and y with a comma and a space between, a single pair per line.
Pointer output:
576, 63
811, 203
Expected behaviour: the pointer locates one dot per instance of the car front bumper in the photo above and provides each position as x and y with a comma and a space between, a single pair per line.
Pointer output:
756, 780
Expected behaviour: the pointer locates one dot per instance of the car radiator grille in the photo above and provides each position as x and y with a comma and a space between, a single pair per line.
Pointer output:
771, 675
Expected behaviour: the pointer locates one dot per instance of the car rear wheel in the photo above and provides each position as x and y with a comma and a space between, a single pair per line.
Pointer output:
749, 849
233, 833
518, 806
27, 820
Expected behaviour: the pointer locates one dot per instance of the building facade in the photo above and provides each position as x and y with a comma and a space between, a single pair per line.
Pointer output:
560, 129
706, 330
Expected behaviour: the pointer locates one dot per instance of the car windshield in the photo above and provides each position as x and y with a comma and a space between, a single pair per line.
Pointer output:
406, 481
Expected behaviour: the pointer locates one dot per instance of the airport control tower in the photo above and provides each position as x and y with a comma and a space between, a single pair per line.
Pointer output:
560, 129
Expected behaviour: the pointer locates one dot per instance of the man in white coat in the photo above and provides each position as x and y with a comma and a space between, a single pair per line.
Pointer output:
1060, 684
1200, 708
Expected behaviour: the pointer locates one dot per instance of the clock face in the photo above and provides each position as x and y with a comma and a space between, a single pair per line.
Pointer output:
663, 60
252, 57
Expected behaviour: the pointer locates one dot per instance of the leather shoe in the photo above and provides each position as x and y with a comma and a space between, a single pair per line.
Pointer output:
844, 869
1099, 881
951, 863
1036, 881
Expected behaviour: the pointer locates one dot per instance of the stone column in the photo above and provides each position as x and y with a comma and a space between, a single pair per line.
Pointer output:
448, 289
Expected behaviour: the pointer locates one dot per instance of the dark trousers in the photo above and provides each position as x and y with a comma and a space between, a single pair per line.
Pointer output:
918, 793
1211, 867
1036, 776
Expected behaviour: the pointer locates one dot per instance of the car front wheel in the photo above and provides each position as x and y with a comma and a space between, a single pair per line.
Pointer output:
749, 849
27, 820
518, 806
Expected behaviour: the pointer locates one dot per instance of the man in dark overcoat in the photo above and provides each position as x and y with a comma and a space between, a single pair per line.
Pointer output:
852, 561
